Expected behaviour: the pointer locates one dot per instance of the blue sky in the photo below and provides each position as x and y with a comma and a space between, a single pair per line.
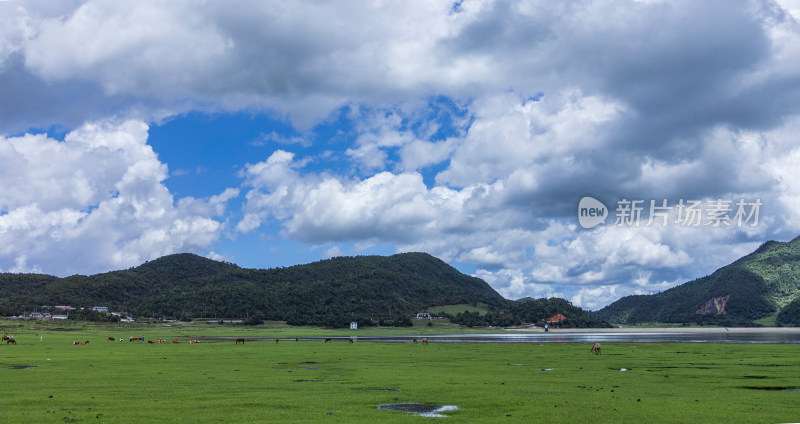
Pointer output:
271, 134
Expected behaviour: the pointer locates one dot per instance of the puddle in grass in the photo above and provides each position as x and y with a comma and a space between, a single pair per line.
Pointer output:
432, 411
774, 388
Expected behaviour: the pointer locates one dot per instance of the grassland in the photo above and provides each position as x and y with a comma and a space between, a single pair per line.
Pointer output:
48, 379
481, 308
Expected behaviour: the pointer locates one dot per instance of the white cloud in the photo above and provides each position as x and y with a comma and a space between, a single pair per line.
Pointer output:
95, 201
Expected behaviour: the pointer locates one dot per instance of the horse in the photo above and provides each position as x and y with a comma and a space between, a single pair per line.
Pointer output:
240, 340
161, 341
415, 339
11, 341
351, 340
86, 342
328, 340
6, 338
595, 349
111, 339
150, 341
276, 340
75, 343
176, 341
194, 341
135, 339
424, 341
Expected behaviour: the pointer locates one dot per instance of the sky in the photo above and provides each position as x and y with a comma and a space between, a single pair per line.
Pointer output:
273, 133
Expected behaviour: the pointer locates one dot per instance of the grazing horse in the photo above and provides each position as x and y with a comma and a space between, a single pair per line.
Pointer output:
194, 341
240, 340
351, 340
595, 349
176, 341
162, 340
328, 340
276, 339
415, 339
424, 341
135, 339
150, 341
6, 338
75, 343
111, 339
12, 341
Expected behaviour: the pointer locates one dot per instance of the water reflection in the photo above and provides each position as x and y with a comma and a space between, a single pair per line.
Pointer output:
610, 337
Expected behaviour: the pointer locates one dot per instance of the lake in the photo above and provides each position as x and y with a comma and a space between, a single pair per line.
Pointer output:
717, 336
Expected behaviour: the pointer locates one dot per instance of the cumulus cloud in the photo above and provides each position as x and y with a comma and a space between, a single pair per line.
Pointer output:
94, 201
546, 102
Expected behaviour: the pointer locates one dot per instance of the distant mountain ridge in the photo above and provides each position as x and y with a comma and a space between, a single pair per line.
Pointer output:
327, 292
764, 285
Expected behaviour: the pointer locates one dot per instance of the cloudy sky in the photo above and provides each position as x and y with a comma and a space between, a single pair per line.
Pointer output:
277, 133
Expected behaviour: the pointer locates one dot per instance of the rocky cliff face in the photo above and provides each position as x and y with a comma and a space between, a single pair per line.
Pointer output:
715, 306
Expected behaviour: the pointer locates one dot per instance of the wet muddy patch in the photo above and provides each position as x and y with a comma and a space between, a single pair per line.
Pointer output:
421, 409
773, 388
371, 389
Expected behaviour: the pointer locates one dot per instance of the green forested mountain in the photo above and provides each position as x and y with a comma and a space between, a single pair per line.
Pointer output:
756, 286
331, 292
533, 311
328, 292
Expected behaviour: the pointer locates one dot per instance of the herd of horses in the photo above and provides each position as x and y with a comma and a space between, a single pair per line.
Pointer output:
9, 340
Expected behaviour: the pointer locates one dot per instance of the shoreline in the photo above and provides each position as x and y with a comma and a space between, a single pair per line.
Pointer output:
661, 330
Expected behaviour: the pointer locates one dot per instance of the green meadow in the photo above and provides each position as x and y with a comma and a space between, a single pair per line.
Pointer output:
48, 379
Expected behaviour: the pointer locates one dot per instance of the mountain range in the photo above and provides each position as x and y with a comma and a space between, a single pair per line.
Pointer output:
328, 292
762, 288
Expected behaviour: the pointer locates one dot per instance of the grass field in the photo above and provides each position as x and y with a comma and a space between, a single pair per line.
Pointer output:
48, 379
482, 309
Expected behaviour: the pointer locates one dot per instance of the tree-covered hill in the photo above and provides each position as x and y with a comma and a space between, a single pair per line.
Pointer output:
327, 292
332, 292
533, 311
755, 286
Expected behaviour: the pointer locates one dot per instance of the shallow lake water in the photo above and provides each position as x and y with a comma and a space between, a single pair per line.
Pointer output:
609, 337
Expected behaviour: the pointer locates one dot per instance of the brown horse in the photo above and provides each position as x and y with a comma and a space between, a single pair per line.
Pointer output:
6, 338
351, 340
11, 341
595, 349
328, 340
194, 341
111, 339
415, 339
240, 340
176, 341
424, 341
135, 339
276, 340
78, 343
